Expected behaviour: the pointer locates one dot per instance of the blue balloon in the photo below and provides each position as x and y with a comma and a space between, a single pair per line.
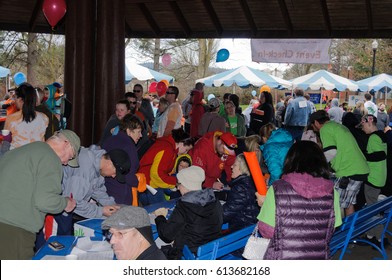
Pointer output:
19, 78
222, 55
254, 93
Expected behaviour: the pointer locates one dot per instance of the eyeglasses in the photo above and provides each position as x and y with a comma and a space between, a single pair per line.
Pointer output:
135, 90
135, 102
168, 92
118, 234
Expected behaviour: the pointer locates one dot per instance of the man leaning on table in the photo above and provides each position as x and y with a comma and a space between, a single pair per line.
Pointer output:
86, 184
30, 187
130, 235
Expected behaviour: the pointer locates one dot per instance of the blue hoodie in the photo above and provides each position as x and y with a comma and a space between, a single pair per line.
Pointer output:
275, 151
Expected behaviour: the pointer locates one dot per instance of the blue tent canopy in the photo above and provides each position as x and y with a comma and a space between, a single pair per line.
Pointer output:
4, 72
141, 73
244, 76
381, 82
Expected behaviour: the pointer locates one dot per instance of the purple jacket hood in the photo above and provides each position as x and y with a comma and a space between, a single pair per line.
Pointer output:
308, 186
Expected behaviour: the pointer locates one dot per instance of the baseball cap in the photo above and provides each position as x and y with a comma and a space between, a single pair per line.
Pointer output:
191, 177
121, 162
265, 88
213, 103
319, 115
74, 140
230, 143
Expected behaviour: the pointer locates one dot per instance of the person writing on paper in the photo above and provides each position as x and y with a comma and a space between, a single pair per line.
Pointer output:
129, 232
304, 200
240, 209
215, 153
30, 188
196, 219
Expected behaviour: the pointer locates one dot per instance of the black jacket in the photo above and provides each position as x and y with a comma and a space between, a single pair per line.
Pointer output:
152, 253
196, 220
241, 209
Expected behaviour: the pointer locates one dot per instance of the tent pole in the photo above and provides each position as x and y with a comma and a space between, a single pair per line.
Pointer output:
385, 92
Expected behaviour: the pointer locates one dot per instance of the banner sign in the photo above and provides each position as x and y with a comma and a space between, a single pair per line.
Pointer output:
306, 51
353, 99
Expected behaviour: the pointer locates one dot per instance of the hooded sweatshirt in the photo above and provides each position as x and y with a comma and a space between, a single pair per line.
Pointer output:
335, 112
158, 162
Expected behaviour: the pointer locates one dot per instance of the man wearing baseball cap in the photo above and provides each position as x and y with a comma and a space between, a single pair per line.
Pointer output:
30, 188
215, 152
130, 234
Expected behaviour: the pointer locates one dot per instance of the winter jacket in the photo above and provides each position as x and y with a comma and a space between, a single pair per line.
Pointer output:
257, 121
304, 218
196, 220
196, 113
122, 192
158, 162
85, 182
241, 209
275, 151
204, 155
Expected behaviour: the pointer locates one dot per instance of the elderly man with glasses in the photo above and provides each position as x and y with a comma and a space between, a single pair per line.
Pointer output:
30, 188
129, 232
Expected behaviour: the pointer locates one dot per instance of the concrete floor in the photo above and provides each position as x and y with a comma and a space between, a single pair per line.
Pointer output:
356, 252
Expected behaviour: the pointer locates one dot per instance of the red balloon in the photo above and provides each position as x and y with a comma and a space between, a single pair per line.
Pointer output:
153, 87
54, 10
161, 88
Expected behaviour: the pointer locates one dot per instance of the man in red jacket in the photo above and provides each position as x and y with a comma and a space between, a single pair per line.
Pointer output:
214, 152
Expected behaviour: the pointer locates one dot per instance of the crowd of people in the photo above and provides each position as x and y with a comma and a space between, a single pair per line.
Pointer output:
318, 165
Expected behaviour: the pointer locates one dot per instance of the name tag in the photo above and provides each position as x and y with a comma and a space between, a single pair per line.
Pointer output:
302, 104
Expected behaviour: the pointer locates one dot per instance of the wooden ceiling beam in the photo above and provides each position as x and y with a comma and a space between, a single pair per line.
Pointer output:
248, 15
34, 14
327, 20
151, 21
369, 14
286, 16
180, 17
213, 16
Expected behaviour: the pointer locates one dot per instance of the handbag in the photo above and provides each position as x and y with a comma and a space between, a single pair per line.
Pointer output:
256, 246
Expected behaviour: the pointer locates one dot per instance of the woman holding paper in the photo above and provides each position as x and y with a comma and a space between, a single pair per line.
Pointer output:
301, 211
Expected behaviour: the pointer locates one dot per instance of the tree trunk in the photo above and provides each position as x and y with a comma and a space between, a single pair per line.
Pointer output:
201, 71
32, 58
157, 52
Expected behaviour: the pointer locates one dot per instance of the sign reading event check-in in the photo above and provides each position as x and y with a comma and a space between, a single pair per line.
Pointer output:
291, 50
